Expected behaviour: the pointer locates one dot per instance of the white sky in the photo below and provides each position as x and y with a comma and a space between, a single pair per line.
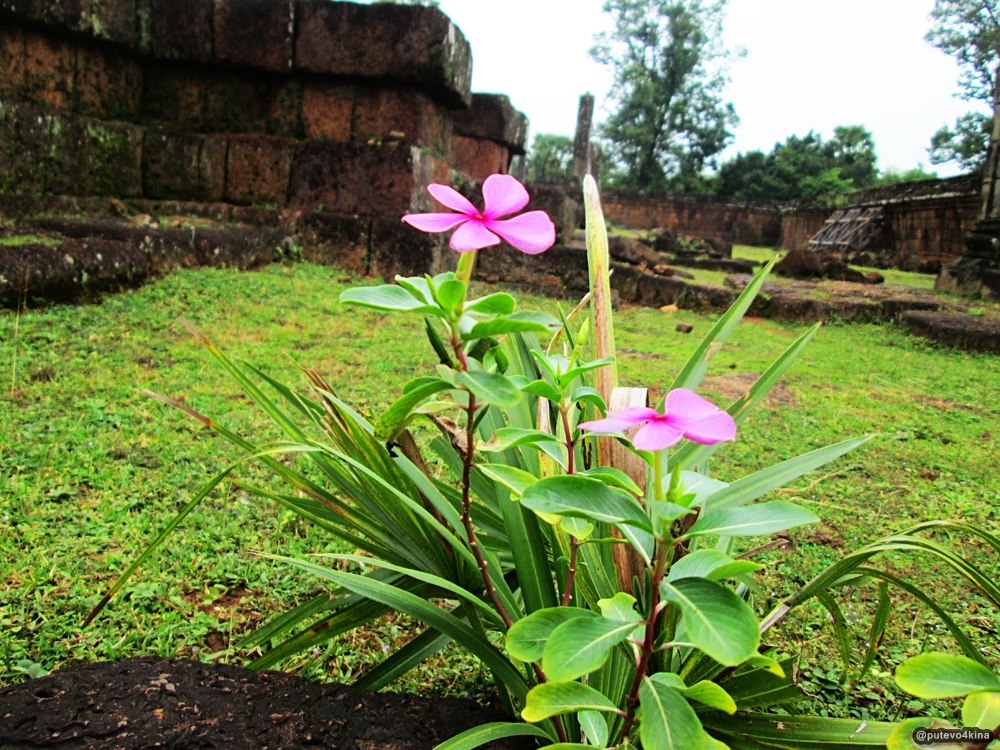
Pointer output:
809, 65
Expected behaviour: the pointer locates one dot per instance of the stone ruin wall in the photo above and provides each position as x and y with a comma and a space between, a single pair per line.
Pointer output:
924, 226
741, 223
334, 115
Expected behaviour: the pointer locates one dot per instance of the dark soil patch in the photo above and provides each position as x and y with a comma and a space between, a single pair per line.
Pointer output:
154, 702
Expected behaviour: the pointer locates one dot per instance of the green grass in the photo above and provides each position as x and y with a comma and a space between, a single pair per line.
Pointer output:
91, 468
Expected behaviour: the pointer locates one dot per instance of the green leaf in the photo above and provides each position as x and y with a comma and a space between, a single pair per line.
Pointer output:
514, 479
938, 675
484, 733
716, 620
614, 478
522, 321
595, 727
588, 395
705, 692
527, 637
711, 564
583, 497
554, 698
498, 303
667, 721
388, 298
543, 389
582, 645
450, 295
792, 732
620, 607
752, 520
490, 387
391, 423
982, 709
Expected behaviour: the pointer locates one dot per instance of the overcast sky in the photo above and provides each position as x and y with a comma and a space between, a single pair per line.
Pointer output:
809, 65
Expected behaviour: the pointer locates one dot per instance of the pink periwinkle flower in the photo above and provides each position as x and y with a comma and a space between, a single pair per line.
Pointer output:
687, 415
532, 232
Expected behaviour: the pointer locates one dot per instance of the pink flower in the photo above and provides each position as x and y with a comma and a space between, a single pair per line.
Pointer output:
686, 415
530, 233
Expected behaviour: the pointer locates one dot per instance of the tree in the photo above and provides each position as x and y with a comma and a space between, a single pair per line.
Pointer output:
969, 31
550, 158
803, 167
669, 118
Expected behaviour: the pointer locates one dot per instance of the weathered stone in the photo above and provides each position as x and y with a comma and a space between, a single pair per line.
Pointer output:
106, 85
49, 69
397, 249
258, 169
630, 250
565, 212
255, 33
12, 61
327, 110
176, 29
951, 329
411, 44
113, 20
183, 166
492, 117
400, 114
479, 158
335, 240
665, 240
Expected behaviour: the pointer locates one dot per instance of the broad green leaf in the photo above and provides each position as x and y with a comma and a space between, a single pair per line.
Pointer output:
543, 389
752, 520
716, 620
388, 298
521, 322
666, 720
584, 497
484, 733
982, 709
582, 645
712, 564
621, 607
701, 486
614, 478
498, 303
554, 698
512, 437
527, 637
394, 419
489, 387
588, 395
705, 692
766, 663
576, 527
939, 675
901, 737
595, 727
514, 479
792, 732
450, 295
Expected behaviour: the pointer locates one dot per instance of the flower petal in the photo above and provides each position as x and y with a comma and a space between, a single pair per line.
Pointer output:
715, 428
620, 421
656, 435
448, 196
531, 233
686, 404
472, 235
503, 195
435, 222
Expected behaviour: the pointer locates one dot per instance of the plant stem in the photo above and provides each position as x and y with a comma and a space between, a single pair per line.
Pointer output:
574, 545
466, 262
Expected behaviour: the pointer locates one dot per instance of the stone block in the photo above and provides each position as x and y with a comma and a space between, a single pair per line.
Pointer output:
50, 63
174, 94
176, 29
410, 44
327, 110
397, 249
106, 85
492, 117
113, 20
12, 59
477, 157
183, 166
258, 169
332, 239
255, 33
109, 158
24, 133
354, 178
401, 114
63, 15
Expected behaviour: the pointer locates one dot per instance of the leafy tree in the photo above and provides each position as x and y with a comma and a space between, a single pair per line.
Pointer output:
669, 117
550, 158
803, 167
969, 31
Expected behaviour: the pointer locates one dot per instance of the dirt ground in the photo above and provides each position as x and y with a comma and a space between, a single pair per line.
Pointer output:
170, 703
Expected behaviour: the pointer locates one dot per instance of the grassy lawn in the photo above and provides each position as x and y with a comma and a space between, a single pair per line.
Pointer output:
91, 468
